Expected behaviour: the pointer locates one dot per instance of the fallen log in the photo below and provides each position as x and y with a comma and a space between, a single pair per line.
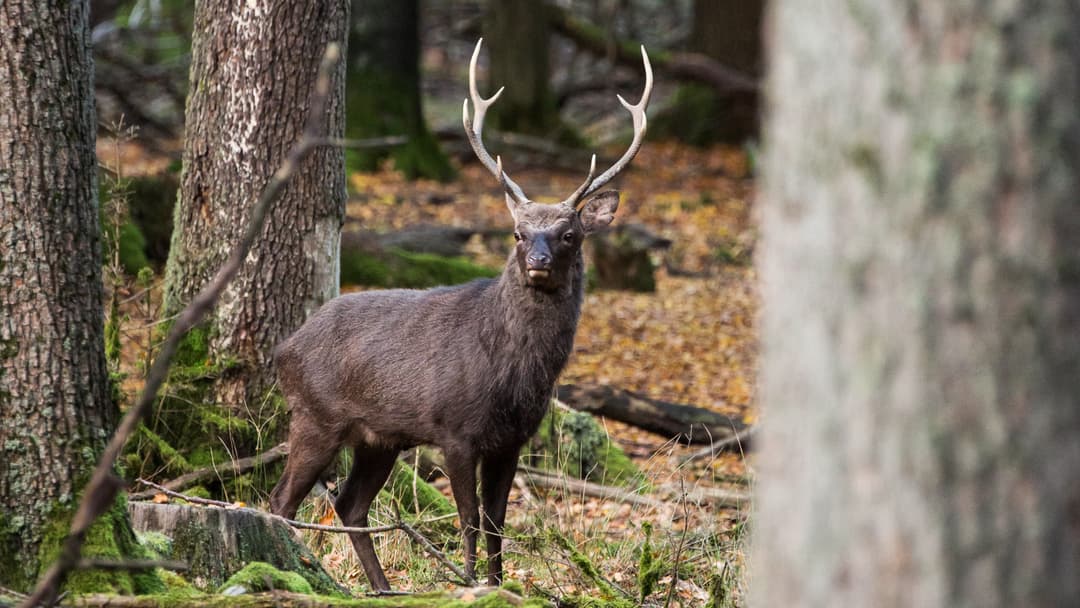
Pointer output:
677, 421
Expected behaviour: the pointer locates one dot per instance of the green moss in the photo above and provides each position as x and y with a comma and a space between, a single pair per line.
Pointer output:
399, 268
585, 566
260, 576
110, 537
176, 586
574, 443
156, 544
374, 107
417, 499
649, 569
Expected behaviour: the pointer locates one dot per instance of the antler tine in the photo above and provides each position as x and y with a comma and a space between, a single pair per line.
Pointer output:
575, 198
638, 113
475, 126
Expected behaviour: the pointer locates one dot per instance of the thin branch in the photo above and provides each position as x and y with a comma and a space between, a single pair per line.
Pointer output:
236, 467
100, 493
540, 479
434, 552
686, 66
371, 142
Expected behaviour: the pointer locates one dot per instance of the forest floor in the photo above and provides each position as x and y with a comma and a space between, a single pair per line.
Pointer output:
693, 341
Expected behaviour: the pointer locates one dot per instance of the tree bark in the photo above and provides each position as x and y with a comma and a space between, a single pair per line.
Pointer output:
517, 35
921, 280
55, 402
253, 68
730, 32
384, 89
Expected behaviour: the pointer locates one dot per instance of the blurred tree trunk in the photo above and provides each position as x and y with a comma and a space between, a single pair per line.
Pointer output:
921, 276
383, 90
252, 73
56, 406
730, 32
517, 34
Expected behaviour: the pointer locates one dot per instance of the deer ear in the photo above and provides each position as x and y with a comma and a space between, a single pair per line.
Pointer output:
599, 211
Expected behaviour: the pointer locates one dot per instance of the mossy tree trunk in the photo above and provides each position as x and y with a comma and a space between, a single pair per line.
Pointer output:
383, 90
517, 36
253, 69
921, 425
56, 406
730, 32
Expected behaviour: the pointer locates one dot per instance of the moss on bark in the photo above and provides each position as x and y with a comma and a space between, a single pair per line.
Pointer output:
574, 443
110, 537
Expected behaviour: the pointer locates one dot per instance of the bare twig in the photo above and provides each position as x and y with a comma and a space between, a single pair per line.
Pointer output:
100, 493
434, 552
237, 467
371, 142
740, 440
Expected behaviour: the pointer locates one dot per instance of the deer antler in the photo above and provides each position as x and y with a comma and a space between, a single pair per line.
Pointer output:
474, 127
638, 113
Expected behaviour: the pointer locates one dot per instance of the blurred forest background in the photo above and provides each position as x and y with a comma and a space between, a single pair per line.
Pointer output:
636, 489
893, 247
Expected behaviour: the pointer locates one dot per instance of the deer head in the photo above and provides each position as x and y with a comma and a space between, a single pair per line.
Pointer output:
549, 237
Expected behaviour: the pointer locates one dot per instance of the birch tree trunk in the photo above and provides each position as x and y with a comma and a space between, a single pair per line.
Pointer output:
55, 403
921, 277
253, 68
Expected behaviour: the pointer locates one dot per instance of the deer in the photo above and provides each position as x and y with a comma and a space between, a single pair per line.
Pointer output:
469, 369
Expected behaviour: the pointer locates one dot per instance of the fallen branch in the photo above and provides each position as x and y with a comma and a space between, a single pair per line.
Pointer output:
289, 599
740, 441
237, 467
100, 493
671, 420
540, 479
683, 66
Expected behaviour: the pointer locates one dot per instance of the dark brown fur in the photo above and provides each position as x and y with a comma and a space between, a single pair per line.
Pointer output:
468, 368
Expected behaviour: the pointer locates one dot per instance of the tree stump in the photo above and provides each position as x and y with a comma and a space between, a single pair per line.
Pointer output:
216, 543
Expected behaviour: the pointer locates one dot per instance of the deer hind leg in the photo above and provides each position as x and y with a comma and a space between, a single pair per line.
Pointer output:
371, 466
497, 475
309, 455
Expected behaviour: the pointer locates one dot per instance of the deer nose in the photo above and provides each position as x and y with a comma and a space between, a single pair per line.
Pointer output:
538, 260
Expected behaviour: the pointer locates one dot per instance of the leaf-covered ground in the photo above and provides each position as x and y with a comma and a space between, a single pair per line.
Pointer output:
692, 341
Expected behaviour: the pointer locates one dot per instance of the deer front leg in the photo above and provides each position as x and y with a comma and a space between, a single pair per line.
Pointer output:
461, 467
497, 474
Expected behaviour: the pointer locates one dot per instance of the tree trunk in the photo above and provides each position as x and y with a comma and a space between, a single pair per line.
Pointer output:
253, 69
55, 402
517, 35
384, 89
921, 281
730, 32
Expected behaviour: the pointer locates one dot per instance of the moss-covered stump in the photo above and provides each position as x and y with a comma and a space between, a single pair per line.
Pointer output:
574, 443
417, 500
217, 543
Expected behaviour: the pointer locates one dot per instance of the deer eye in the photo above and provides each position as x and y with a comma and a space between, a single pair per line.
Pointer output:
568, 237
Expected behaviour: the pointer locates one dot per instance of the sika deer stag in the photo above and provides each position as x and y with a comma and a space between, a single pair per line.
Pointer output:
468, 368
